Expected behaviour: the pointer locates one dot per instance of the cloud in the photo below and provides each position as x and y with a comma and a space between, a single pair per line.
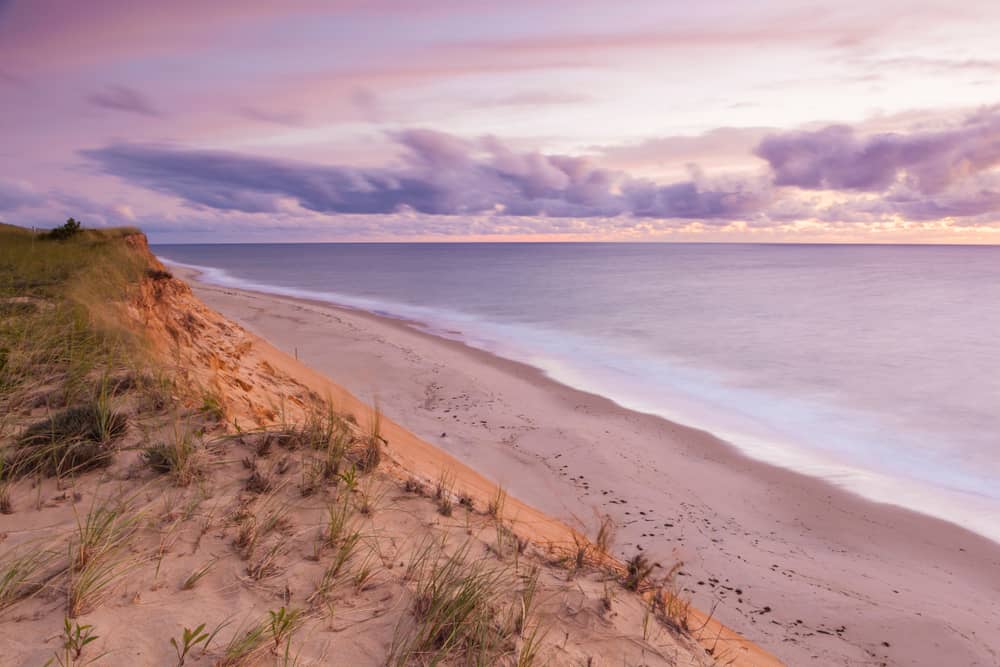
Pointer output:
439, 174
15, 195
536, 98
288, 118
975, 200
933, 65
122, 98
928, 161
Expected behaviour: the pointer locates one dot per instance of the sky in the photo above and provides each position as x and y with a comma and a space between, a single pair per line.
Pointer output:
454, 120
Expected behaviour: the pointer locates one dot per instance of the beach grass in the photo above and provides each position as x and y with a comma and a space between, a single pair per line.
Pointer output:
62, 346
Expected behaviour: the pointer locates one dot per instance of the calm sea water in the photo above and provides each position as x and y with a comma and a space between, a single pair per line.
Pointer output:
876, 367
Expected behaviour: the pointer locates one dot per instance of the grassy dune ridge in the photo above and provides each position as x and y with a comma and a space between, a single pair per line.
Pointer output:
169, 496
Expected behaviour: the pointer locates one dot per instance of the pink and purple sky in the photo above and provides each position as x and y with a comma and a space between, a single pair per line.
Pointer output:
325, 120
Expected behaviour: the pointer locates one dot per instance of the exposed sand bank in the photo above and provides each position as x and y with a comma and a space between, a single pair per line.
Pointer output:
812, 573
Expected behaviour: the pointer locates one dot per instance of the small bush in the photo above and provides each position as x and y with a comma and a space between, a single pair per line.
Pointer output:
63, 232
157, 274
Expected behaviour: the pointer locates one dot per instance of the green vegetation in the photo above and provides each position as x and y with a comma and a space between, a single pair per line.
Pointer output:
180, 457
198, 574
72, 440
61, 346
75, 638
99, 554
245, 645
63, 232
467, 612
189, 640
24, 573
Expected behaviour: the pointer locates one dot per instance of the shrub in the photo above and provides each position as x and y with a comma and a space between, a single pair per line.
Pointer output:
158, 274
68, 230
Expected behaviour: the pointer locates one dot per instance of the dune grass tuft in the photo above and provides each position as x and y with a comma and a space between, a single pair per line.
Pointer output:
465, 611
637, 571
198, 575
25, 572
99, 554
246, 646
72, 440
180, 457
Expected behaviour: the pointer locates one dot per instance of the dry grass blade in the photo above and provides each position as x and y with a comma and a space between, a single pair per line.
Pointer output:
198, 575
267, 565
444, 492
370, 455
245, 646
94, 582
6, 500
496, 504
97, 558
25, 573
605, 535
104, 530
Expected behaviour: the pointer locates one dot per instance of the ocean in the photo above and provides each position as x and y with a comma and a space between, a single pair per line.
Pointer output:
874, 367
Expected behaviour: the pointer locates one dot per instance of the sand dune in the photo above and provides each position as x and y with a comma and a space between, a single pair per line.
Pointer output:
247, 510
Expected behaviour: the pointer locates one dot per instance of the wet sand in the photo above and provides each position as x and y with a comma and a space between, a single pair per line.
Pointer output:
810, 572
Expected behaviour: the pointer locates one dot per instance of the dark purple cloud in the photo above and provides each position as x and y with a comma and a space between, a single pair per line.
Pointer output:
924, 174
122, 98
438, 174
928, 161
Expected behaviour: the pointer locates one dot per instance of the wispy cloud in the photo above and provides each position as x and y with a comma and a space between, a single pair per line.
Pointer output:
15, 195
289, 118
123, 98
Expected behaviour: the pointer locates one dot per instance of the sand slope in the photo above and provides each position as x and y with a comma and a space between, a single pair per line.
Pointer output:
812, 573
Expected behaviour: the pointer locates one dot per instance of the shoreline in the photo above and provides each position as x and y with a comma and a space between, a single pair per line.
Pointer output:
965, 509
757, 540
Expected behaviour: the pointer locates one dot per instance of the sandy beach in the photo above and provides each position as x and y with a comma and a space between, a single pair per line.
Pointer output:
808, 571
